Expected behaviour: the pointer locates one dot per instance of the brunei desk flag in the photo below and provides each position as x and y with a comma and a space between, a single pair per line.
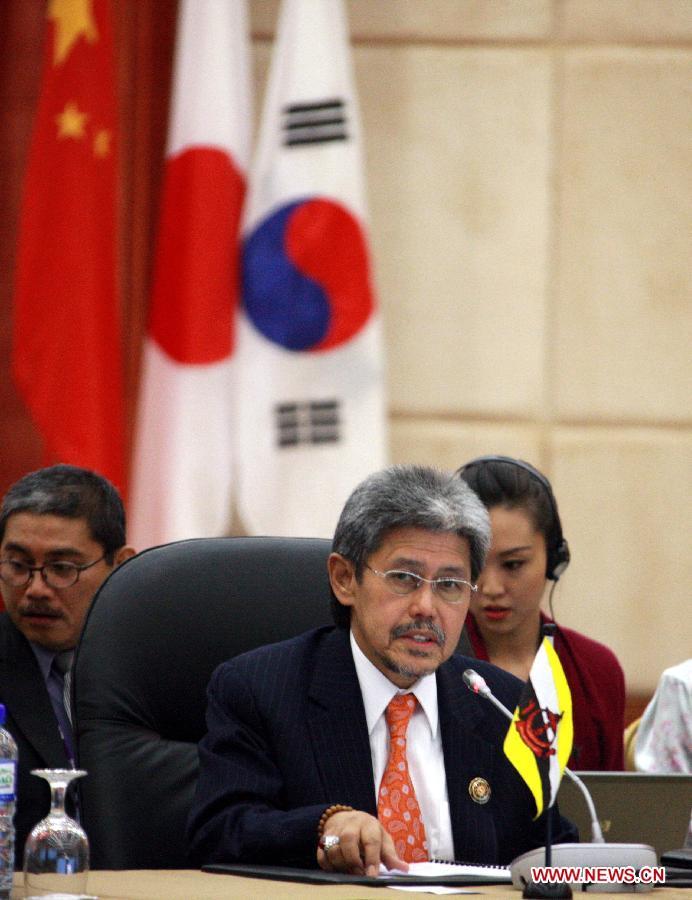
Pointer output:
67, 355
311, 421
183, 448
539, 740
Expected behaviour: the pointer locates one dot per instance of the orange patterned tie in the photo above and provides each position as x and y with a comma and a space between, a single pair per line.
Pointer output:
397, 807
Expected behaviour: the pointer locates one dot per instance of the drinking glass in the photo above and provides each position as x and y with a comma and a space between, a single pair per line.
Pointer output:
56, 856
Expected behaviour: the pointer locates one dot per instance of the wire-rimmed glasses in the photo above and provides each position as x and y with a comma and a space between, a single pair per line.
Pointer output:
399, 581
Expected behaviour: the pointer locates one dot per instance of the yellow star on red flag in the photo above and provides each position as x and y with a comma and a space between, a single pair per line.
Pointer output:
74, 392
71, 122
73, 18
102, 143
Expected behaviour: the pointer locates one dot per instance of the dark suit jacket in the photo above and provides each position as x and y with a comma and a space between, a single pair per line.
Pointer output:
288, 737
32, 723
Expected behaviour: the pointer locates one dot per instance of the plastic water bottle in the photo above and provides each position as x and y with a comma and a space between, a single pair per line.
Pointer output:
8, 782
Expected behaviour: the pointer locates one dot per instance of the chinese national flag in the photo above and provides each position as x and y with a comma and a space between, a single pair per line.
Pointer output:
67, 353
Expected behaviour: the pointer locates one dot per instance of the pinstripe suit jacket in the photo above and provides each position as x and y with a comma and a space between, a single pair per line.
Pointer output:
287, 737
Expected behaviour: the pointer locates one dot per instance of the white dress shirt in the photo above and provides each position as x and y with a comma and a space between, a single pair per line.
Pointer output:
423, 747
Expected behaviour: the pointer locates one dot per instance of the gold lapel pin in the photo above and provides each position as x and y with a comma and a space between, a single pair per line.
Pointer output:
479, 789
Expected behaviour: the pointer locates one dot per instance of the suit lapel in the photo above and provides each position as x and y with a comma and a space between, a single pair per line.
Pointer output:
24, 693
338, 729
337, 725
468, 754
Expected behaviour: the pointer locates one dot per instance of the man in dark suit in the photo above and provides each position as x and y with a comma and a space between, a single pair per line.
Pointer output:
62, 531
303, 764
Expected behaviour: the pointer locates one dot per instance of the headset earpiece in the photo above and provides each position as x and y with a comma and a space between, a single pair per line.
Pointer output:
558, 561
558, 555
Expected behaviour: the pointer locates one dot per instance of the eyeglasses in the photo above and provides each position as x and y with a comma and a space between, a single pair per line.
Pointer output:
55, 574
451, 590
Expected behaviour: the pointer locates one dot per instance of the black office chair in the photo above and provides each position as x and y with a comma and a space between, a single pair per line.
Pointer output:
156, 630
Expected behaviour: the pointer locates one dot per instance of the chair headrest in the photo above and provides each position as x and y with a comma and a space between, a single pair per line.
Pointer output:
166, 618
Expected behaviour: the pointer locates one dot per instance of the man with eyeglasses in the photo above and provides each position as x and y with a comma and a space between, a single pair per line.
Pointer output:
356, 745
62, 531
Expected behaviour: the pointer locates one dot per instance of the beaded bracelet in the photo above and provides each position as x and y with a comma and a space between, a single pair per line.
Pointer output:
329, 811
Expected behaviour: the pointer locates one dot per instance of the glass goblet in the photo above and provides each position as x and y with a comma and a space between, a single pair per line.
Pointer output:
56, 855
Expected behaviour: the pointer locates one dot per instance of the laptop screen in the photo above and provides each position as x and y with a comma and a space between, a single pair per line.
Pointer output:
632, 807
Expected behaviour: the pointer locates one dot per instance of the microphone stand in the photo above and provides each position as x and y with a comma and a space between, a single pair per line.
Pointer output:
477, 685
532, 889
597, 853
535, 890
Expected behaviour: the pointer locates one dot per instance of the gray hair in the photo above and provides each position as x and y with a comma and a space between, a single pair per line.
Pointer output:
408, 497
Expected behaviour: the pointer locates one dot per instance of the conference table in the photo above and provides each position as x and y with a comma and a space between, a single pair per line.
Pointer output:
188, 884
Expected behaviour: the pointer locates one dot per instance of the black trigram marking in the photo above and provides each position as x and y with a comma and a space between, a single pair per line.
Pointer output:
315, 422
314, 123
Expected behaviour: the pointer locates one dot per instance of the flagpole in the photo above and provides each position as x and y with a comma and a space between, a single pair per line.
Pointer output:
549, 839
548, 631
533, 889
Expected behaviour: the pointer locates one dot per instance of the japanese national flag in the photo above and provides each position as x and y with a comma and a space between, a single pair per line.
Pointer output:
183, 443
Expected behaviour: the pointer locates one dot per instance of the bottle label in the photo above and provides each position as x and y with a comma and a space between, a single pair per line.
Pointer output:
8, 771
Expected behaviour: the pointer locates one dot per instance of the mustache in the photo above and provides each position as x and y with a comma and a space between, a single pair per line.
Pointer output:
424, 625
35, 609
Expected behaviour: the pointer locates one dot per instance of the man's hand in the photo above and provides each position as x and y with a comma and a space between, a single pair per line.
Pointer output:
363, 845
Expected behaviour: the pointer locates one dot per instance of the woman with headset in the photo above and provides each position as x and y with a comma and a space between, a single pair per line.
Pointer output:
505, 617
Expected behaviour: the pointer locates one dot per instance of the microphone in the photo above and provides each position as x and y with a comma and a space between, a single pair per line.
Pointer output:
596, 854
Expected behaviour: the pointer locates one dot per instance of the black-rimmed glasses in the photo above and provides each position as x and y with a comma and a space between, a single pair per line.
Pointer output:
56, 574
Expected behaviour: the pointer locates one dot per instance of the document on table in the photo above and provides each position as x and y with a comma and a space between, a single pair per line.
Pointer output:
490, 874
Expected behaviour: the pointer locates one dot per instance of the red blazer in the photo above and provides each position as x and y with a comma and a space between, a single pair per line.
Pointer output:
597, 684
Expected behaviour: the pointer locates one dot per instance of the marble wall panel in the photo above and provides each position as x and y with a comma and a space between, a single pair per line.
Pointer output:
431, 20
457, 161
624, 503
449, 444
615, 21
623, 315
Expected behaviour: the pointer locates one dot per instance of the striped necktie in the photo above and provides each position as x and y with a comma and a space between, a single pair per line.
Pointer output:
59, 680
63, 663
